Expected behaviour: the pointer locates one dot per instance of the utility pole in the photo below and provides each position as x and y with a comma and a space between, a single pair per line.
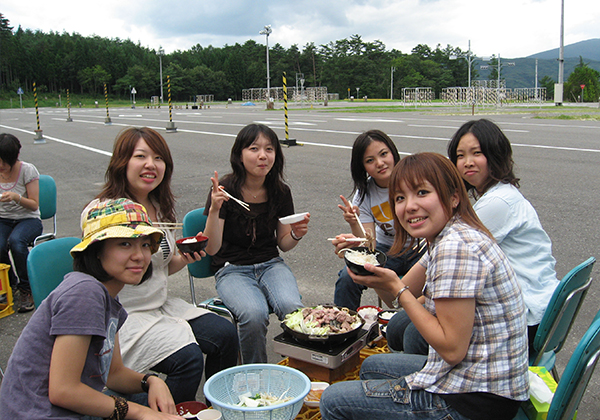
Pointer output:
267, 31
160, 54
392, 84
558, 88
469, 57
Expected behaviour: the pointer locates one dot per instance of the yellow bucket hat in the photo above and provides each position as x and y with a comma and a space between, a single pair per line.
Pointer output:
120, 218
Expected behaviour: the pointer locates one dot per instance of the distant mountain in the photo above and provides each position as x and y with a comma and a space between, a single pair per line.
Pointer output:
589, 50
522, 74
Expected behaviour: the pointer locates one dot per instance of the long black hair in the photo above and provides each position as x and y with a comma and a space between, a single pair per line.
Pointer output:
495, 147
357, 166
274, 181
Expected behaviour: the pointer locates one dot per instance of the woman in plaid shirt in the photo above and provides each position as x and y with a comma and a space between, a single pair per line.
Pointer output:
473, 317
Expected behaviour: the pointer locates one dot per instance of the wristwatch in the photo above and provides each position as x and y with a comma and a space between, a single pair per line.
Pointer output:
396, 301
145, 384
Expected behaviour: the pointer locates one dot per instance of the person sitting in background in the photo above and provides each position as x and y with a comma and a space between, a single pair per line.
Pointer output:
245, 243
374, 155
20, 221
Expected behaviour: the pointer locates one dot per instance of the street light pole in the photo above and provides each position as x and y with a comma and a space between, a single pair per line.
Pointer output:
392, 84
267, 31
160, 54
558, 87
470, 60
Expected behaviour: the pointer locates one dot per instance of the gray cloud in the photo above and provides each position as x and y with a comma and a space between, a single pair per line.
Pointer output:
515, 28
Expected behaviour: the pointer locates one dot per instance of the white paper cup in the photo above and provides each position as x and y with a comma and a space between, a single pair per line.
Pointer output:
209, 414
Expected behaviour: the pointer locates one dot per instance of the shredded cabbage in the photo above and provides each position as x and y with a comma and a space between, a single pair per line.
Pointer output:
296, 322
262, 399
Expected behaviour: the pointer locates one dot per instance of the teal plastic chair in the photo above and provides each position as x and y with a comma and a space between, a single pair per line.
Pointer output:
194, 222
47, 206
560, 315
576, 376
47, 265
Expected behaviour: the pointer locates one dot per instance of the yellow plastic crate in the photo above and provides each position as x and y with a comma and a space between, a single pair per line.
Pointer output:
5, 290
313, 413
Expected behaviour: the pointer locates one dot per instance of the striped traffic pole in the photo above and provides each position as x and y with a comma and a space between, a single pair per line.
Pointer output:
107, 119
39, 137
287, 141
69, 119
171, 126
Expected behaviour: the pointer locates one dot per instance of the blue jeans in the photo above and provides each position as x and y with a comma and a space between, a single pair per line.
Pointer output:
382, 393
249, 291
16, 235
348, 294
402, 335
217, 338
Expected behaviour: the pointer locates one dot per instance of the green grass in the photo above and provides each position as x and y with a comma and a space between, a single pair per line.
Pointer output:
579, 117
10, 100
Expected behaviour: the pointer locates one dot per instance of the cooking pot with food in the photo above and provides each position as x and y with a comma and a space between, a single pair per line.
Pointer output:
323, 324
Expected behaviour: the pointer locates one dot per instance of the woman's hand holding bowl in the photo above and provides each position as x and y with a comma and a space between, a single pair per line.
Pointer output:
190, 258
301, 228
382, 279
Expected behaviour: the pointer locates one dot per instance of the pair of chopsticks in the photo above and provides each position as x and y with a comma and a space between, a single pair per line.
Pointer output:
350, 239
240, 202
168, 225
364, 232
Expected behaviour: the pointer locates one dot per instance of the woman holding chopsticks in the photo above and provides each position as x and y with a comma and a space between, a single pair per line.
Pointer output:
374, 155
246, 236
163, 334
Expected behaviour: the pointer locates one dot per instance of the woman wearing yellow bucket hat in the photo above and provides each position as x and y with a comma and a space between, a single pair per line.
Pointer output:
163, 333
70, 347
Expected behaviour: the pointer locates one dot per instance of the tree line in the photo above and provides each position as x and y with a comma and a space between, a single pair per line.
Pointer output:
61, 61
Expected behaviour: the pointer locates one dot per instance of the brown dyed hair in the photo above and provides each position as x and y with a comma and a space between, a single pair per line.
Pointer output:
414, 170
116, 185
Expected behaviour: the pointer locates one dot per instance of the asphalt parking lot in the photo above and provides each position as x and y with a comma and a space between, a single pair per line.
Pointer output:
557, 161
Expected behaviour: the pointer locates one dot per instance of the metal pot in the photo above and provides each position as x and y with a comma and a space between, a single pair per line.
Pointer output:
326, 339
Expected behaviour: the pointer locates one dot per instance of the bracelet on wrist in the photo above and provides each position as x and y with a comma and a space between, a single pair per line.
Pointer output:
396, 301
19, 202
294, 237
121, 408
145, 384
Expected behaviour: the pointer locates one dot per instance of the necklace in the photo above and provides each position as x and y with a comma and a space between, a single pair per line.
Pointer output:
255, 196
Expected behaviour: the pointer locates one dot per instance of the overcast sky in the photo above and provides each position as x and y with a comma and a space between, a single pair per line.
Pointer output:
511, 28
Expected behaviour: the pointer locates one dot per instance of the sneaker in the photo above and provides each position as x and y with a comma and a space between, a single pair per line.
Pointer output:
25, 302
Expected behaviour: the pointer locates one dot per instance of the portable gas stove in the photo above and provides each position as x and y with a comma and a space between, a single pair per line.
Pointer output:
323, 360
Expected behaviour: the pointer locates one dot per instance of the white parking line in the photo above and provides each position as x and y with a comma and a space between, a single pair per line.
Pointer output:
69, 143
335, 146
